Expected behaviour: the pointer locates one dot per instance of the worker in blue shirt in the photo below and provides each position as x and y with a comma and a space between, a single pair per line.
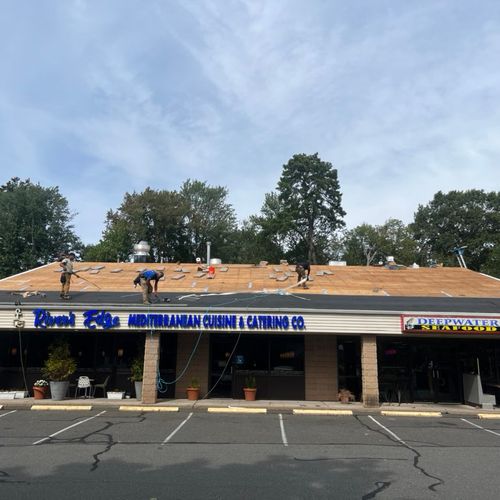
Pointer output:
144, 279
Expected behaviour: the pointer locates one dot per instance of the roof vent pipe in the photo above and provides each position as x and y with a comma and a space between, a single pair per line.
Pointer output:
208, 251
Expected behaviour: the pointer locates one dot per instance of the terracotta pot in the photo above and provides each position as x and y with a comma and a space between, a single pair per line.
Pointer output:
193, 393
39, 392
249, 394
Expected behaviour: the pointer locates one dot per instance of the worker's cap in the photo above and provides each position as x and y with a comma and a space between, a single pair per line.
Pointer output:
72, 254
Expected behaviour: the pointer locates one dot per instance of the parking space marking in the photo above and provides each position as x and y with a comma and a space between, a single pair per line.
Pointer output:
8, 413
69, 427
479, 427
395, 436
177, 429
283, 433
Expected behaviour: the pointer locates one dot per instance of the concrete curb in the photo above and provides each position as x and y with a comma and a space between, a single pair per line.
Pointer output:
394, 413
489, 416
172, 409
236, 409
62, 407
297, 411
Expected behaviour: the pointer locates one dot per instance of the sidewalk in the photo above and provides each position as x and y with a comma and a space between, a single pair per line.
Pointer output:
271, 406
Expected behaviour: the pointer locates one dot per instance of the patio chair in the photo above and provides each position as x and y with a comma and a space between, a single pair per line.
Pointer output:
101, 386
83, 384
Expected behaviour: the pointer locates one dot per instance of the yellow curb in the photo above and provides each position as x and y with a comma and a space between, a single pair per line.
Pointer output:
1, 407
393, 413
236, 409
62, 407
322, 412
148, 408
490, 416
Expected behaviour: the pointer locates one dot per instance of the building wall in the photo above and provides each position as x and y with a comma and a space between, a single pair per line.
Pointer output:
321, 368
199, 366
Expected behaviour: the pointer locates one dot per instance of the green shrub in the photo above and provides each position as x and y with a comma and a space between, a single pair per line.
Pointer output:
250, 382
59, 366
137, 369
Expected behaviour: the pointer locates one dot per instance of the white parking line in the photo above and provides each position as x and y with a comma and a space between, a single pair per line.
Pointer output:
283, 433
479, 427
8, 413
395, 436
66, 428
178, 428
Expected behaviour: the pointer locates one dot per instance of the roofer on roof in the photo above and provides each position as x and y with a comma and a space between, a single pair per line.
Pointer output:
144, 279
301, 268
67, 271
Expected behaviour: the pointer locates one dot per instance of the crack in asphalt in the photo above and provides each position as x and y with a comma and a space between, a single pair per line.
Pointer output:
381, 486
416, 458
6, 479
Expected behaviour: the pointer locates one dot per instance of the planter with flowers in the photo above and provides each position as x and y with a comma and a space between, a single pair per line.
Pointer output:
40, 389
345, 396
250, 388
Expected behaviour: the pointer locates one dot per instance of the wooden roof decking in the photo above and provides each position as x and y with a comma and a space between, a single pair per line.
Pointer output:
348, 280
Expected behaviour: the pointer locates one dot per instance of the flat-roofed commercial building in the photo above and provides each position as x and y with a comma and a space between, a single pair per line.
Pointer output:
384, 333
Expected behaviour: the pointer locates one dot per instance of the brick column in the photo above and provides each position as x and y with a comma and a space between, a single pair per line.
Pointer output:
369, 370
151, 362
321, 367
199, 366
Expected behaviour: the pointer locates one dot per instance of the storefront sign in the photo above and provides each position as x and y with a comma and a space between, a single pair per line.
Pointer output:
450, 324
95, 318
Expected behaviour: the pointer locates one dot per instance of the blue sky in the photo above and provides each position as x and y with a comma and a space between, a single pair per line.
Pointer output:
101, 98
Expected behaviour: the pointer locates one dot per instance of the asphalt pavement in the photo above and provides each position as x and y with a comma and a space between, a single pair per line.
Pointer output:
110, 453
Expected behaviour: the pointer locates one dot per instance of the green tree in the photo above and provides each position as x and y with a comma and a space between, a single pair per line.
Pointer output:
208, 217
366, 244
35, 225
115, 244
468, 219
307, 209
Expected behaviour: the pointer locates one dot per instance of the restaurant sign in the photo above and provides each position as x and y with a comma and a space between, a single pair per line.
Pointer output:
101, 319
449, 324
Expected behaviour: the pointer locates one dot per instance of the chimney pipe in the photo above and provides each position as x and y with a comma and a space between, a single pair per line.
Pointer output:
208, 252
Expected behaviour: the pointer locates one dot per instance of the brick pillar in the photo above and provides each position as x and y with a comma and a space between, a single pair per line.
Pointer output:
369, 370
199, 366
321, 367
151, 362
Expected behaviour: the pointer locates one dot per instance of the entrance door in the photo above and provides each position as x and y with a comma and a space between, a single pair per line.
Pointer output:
435, 371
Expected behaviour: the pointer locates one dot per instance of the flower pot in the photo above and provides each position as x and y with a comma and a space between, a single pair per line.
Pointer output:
193, 393
58, 390
115, 395
138, 390
39, 392
249, 394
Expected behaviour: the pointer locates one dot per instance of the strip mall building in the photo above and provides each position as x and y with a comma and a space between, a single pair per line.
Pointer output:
397, 334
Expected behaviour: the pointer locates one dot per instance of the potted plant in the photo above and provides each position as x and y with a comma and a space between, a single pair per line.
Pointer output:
193, 391
250, 388
58, 367
345, 396
40, 388
115, 394
136, 374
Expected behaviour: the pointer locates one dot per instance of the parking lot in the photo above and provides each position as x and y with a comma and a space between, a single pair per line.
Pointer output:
108, 453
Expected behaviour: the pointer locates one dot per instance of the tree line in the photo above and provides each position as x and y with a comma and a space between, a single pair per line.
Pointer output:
301, 219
